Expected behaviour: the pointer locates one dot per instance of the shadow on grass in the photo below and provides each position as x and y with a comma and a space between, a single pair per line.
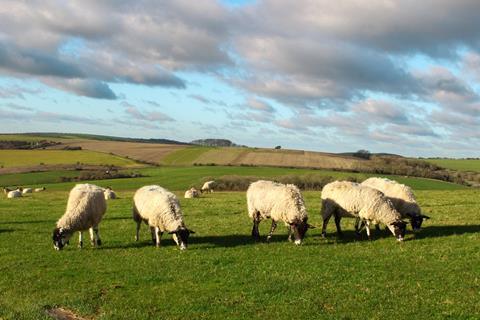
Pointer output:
6, 230
445, 231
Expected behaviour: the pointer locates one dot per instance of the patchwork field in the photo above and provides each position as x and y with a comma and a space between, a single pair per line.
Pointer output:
224, 274
25, 158
457, 164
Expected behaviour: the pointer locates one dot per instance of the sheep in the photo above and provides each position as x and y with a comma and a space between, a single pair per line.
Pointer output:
39, 189
160, 209
208, 186
6, 190
109, 193
15, 193
402, 198
85, 209
191, 193
279, 202
27, 190
349, 199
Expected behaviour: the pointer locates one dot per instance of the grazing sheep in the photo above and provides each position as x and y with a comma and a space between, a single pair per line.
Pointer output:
160, 209
27, 190
349, 199
279, 202
109, 193
6, 190
208, 186
192, 193
15, 193
402, 198
39, 189
85, 209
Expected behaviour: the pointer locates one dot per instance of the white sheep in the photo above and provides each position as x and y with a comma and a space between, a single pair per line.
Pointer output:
39, 189
208, 186
85, 209
160, 209
109, 193
349, 199
14, 193
6, 190
27, 190
279, 202
402, 198
191, 193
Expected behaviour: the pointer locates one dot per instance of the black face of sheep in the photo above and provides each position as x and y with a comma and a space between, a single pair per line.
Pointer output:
300, 229
399, 229
416, 221
181, 237
60, 238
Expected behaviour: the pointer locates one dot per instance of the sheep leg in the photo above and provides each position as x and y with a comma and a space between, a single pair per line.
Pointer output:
158, 236
80, 239
324, 227
154, 237
359, 225
367, 228
137, 233
255, 232
337, 224
94, 237
289, 233
272, 229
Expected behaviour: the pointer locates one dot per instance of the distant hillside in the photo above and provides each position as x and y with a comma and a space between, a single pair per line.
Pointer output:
215, 143
98, 137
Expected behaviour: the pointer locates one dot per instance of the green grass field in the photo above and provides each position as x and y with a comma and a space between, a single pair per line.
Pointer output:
22, 158
186, 156
457, 164
224, 274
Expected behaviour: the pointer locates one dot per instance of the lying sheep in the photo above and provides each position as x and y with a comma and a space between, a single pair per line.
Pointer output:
160, 209
85, 209
27, 190
279, 202
39, 189
402, 198
191, 193
109, 193
7, 190
349, 199
15, 193
208, 186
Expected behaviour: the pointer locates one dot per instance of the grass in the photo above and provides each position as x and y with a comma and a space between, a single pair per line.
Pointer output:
20, 137
24, 158
181, 178
224, 274
457, 164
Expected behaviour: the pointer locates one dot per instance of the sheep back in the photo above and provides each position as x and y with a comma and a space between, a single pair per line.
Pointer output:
159, 208
277, 201
401, 195
85, 208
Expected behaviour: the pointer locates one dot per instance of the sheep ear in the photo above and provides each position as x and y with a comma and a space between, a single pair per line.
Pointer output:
425, 217
191, 231
309, 226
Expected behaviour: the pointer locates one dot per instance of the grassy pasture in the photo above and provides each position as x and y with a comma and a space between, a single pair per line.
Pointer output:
457, 164
25, 158
224, 274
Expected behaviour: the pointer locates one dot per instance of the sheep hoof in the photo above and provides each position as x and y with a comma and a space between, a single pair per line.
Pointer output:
99, 242
80, 244
324, 235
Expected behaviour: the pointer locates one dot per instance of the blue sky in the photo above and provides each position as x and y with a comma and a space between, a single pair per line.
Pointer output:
387, 76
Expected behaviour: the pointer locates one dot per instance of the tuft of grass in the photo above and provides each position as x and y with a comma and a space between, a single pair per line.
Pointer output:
224, 274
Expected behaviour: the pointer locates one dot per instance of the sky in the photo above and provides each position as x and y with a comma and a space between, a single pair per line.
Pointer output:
382, 75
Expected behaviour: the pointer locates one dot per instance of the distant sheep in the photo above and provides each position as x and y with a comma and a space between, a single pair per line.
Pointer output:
208, 186
349, 199
402, 198
14, 193
192, 193
109, 194
85, 209
7, 190
39, 189
160, 209
27, 190
279, 202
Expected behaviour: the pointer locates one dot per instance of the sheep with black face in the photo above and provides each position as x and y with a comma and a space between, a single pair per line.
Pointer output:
160, 209
349, 199
279, 202
85, 209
